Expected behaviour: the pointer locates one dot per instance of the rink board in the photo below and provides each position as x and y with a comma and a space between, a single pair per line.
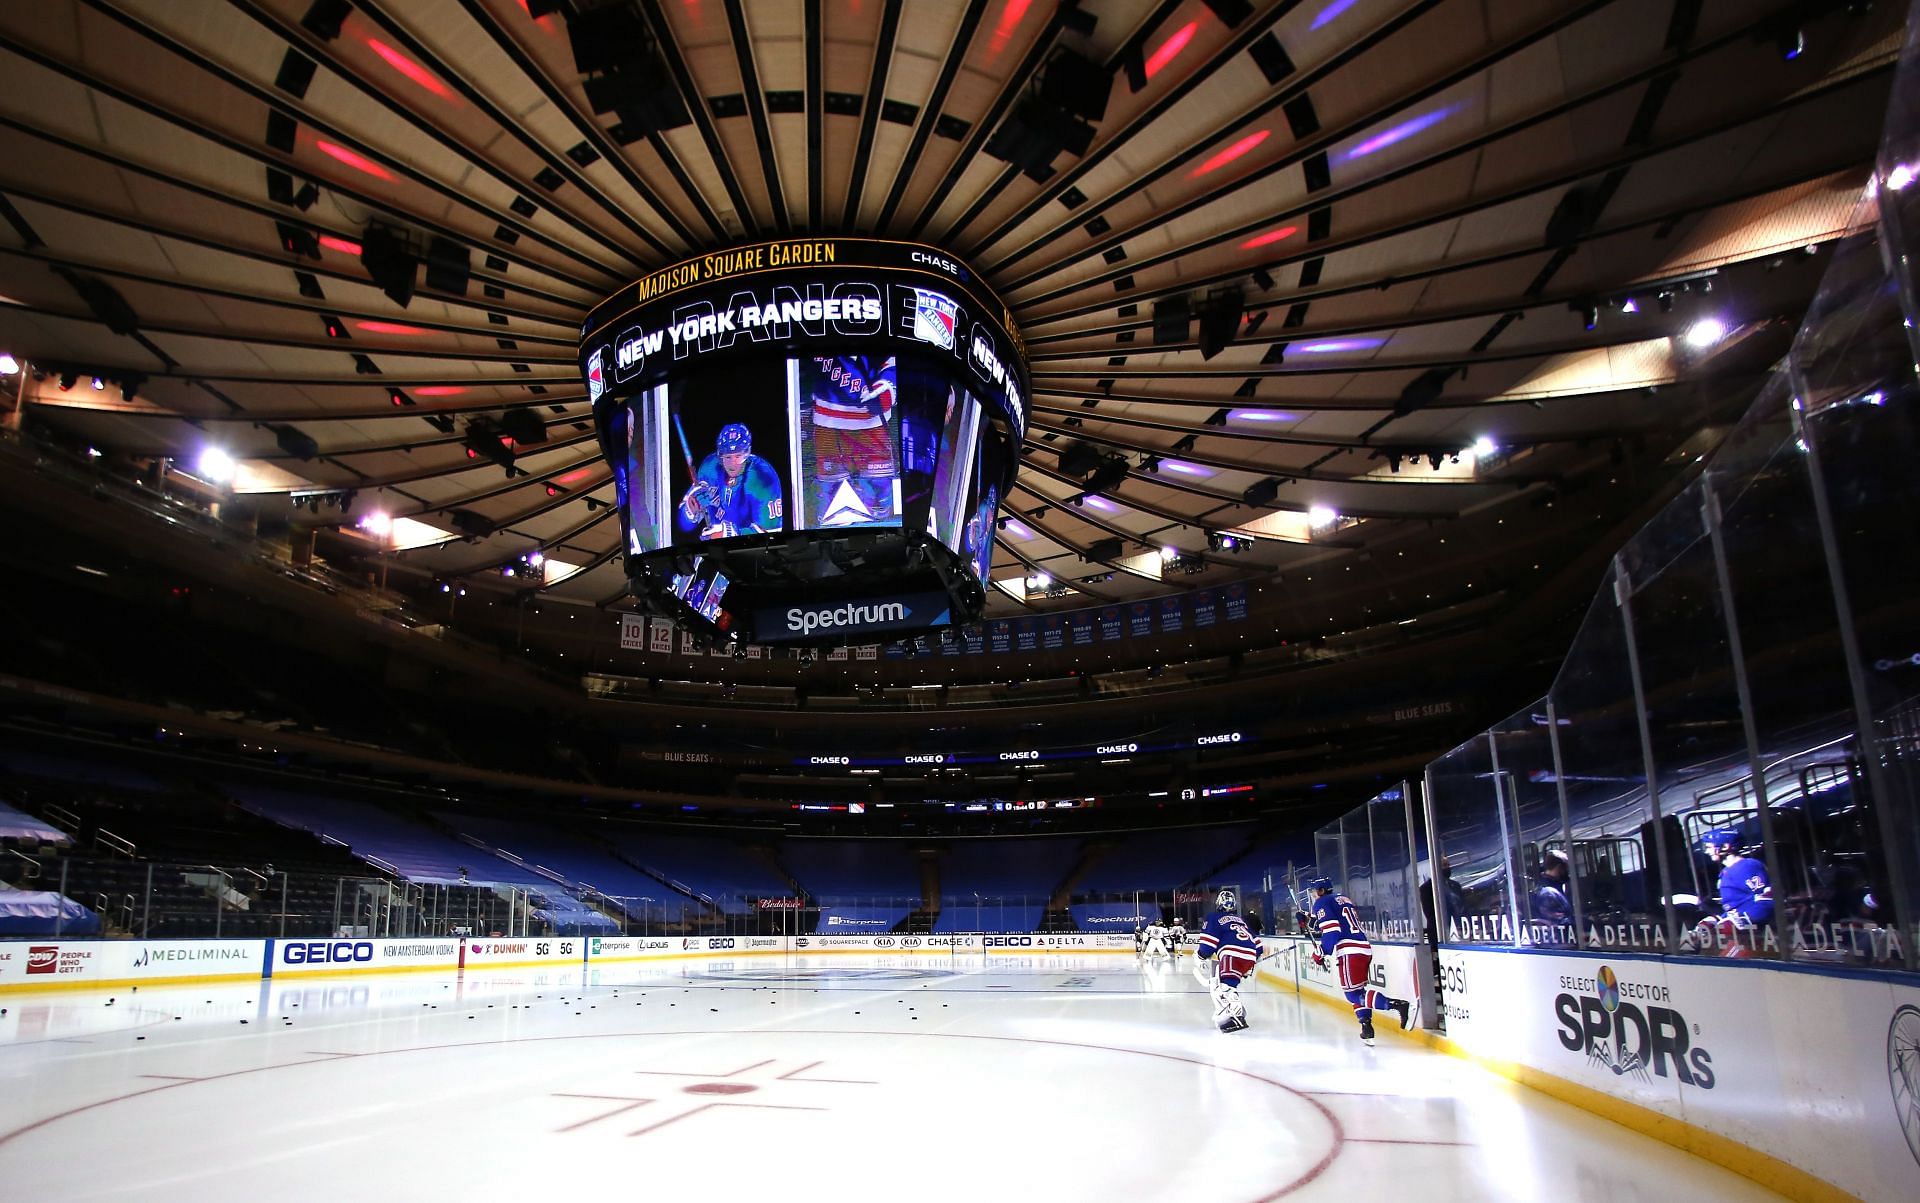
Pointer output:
59, 964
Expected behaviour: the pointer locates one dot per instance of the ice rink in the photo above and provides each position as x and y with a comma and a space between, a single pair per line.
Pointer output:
776, 1078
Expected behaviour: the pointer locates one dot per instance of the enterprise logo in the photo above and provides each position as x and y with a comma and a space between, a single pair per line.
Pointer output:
806, 622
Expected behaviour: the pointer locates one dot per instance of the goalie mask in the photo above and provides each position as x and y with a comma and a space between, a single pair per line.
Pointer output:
1226, 901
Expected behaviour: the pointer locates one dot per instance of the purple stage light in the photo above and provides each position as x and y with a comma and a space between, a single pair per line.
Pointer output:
1018, 529
1103, 505
1185, 469
1399, 133
1260, 415
1337, 345
1331, 13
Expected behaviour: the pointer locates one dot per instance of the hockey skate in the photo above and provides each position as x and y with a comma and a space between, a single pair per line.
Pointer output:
1229, 1022
1404, 1010
1366, 1032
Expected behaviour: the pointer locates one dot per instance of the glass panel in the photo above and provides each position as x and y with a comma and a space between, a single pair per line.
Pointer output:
1475, 867
1614, 839
1526, 772
1394, 913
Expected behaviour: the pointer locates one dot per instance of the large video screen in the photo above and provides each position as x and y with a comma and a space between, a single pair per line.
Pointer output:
843, 441
817, 417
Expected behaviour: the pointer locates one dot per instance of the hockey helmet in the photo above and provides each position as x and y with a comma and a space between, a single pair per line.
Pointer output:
1719, 837
735, 439
1321, 884
1227, 900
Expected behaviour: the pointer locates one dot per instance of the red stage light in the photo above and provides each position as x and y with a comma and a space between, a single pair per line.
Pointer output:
358, 162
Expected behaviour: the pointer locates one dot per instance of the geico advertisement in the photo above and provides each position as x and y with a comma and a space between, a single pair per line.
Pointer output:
352, 956
31, 962
526, 948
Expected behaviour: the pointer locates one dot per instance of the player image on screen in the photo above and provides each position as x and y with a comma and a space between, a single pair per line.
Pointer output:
849, 402
734, 491
955, 472
979, 535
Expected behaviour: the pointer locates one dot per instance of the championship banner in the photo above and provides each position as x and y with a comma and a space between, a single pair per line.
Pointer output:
1053, 635
1140, 619
1025, 635
1080, 628
1173, 614
893, 651
1000, 636
973, 639
633, 633
1236, 602
1204, 608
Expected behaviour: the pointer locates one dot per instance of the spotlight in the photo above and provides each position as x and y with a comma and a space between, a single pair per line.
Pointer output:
303, 199
1630, 306
1169, 554
216, 465
445, 588
1320, 515
67, 379
1589, 316
1901, 176
1791, 43
335, 328
1151, 463
99, 385
398, 398
377, 523
1484, 447
536, 559
1706, 332
8, 365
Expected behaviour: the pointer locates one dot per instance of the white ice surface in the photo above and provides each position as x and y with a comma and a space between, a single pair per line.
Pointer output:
776, 1078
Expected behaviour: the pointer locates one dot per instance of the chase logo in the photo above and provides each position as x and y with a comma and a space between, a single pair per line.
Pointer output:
325, 952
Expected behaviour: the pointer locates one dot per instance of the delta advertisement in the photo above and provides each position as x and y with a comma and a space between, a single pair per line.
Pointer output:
1817, 1069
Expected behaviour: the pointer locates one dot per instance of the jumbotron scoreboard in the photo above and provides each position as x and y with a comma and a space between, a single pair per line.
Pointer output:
810, 438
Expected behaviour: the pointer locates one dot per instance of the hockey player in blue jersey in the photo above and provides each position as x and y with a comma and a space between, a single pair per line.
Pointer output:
853, 455
1337, 922
1226, 950
1746, 896
734, 491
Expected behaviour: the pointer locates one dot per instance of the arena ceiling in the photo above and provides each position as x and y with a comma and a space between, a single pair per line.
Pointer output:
1440, 258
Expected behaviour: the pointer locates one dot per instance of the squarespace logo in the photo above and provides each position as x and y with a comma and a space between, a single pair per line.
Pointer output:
1625, 1028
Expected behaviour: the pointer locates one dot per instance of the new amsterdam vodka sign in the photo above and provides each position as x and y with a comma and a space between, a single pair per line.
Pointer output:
849, 621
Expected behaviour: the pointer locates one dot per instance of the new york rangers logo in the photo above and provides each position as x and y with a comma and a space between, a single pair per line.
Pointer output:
934, 318
596, 380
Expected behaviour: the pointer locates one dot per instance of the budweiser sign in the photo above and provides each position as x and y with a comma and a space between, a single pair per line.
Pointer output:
781, 904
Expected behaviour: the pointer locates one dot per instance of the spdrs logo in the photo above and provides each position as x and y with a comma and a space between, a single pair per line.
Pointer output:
1625, 1028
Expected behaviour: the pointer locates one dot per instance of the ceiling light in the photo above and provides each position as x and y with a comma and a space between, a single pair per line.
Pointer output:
1169, 554
1484, 447
1901, 175
8, 365
98, 384
1630, 306
377, 523
216, 465
1706, 332
1320, 515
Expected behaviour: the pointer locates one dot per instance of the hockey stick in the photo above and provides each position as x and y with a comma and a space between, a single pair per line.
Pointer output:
693, 476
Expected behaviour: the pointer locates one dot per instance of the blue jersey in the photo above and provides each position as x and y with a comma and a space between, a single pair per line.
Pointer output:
1338, 922
748, 505
852, 396
1225, 931
1745, 890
